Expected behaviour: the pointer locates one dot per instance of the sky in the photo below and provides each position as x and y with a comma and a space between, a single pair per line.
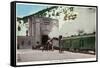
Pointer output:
26, 9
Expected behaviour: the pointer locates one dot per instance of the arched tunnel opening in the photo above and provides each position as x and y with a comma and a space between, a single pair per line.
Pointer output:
44, 39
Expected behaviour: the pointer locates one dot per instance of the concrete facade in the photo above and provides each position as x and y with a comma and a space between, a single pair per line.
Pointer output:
37, 28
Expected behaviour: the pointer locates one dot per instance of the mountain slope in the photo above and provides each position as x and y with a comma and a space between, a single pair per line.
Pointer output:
71, 20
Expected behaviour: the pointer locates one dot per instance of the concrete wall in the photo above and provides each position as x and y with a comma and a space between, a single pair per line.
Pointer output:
38, 27
25, 42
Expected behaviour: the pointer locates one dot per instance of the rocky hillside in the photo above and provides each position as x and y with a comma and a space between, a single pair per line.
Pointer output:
71, 20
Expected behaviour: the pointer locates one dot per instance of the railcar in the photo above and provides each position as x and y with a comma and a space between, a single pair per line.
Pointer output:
79, 43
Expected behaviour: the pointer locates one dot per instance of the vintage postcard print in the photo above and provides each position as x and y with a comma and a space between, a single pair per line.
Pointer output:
55, 33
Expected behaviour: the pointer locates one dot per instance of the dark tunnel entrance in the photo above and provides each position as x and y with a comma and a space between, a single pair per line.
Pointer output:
44, 39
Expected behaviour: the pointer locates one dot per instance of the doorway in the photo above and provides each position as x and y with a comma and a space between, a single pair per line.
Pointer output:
44, 39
